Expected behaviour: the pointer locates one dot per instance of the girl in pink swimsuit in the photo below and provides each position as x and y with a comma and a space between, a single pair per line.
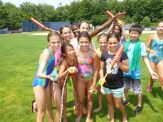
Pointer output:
87, 73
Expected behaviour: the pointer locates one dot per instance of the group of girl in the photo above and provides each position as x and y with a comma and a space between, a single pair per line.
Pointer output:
73, 56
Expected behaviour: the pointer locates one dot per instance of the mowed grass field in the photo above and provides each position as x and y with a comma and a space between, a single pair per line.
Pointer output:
19, 54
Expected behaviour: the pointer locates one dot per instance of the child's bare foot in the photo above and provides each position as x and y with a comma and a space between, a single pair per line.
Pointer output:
88, 119
125, 119
78, 119
108, 116
97, 109
149, 87
112, 120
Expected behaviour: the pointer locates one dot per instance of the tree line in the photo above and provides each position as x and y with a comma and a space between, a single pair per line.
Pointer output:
144, 12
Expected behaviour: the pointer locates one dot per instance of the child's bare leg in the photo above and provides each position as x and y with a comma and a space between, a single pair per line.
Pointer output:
151, 82
57, 99
139, 96
81, 86
65, 106
109, 98
49, 104
108, 113
125, 93
41, 103
74, 81
160, 73
89, 100
119, 105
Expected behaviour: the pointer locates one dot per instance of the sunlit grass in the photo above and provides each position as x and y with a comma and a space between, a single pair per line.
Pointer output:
19, 54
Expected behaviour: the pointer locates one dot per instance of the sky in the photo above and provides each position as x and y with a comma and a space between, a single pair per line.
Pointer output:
55, 3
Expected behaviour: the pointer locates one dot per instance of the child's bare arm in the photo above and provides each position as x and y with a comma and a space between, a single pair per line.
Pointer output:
95, 68
153, 74
43, 61
101, 72
62, 70
124, 65
148, 43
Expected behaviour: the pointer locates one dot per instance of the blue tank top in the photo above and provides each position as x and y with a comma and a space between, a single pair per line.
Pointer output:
48, 69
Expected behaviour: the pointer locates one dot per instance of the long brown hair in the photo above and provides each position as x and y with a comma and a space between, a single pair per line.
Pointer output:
53, 33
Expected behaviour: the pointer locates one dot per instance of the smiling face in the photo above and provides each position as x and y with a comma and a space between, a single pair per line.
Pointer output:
70, 53
84, 26
160, 28
134, 35
103, 43
54, 42
84, 44
112, 44
66, 34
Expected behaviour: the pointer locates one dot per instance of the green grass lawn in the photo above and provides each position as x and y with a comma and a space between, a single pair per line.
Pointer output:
19, 54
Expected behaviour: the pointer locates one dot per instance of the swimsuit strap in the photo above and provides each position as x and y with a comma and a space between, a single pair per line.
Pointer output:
50, 52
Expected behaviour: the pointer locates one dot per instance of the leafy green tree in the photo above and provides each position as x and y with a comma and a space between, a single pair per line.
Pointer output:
85, 10
13, 19
99, 8
146, 21
3, 15
29, 10
73, 10
44, 12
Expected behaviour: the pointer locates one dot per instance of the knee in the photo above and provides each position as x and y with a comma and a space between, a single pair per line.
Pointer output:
41, 113
49, 108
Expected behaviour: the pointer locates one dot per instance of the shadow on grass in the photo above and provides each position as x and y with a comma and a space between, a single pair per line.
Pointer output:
157, 92
118, 116
133, 102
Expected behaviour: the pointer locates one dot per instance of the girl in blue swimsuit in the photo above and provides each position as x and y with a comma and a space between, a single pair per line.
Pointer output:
41, 80
155, 48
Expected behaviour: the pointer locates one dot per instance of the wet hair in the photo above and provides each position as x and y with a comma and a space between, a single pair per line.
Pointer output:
84, 22
102, 35
84, 34
136, 27
61, 29
112, 35
53, 33
64, 47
